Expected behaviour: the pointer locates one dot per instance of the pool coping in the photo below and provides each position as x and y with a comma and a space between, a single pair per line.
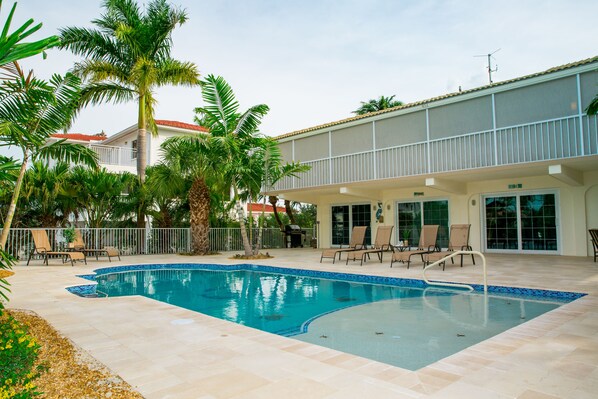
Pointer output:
89, 290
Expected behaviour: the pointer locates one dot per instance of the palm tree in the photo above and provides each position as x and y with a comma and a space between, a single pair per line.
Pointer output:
42, 194
270, 169
233, 139
12, 47
189, 162
31, 110
128, 57
99, 193
592, 108
377, 105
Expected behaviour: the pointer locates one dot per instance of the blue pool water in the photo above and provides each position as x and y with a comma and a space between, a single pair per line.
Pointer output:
408, 325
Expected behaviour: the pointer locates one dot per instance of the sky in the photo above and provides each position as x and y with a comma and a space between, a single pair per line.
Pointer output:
314, 61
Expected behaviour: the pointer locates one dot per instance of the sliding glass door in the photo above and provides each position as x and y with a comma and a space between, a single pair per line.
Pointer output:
413, 215
345, 217
523, 222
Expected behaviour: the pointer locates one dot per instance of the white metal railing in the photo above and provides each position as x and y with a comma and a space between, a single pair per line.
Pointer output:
134, 241
552, 139
457, 285
109, 155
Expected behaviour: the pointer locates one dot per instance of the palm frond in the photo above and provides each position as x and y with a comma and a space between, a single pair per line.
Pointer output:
101, 92
67, 152
592, 108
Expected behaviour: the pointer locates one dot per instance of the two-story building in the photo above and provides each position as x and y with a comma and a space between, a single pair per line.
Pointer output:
518, 160
118, 153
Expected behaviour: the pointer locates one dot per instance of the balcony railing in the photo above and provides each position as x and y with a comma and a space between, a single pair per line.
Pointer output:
553, 139
133, 241
121, 156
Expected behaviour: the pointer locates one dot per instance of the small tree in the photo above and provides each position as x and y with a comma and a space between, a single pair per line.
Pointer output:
31, 110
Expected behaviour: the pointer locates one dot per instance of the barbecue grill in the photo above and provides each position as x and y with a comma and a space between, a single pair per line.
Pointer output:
293, 236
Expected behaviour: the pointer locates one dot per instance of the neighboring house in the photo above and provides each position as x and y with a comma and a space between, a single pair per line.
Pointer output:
518, 160
118, 153
257, 208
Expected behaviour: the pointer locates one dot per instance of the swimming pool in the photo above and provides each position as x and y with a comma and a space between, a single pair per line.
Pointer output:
401, 322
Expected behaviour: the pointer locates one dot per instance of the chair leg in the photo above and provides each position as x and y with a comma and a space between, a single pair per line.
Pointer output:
31, 255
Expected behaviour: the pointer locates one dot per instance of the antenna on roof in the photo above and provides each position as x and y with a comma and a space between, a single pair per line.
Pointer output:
489, 67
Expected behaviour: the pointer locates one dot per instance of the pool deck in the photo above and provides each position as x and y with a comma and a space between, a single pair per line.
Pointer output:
168, 352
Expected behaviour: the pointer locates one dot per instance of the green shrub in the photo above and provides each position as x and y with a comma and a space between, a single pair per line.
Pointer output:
6, 262
18, 354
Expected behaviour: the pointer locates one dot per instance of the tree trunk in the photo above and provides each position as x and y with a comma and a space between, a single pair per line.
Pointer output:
273, 199
241, 217
141, 154
13, 203
289, 210
199, 216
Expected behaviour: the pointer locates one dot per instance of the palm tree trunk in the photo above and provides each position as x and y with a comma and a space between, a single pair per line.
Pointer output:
289, 210
199, 204
241, 217
273, 199
141, 154
13, 203
141, 140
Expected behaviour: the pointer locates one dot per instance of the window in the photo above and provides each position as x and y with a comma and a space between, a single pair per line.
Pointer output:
413, 215
345, 217
521, 222
134, 149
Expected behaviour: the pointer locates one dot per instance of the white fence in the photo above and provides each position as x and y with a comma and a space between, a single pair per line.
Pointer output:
553, 139
132, 241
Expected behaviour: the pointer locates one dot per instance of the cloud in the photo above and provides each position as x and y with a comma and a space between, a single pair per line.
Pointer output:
313, 61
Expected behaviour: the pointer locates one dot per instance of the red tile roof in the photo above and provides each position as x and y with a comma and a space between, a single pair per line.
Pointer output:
180, 125
80, 136
253, 207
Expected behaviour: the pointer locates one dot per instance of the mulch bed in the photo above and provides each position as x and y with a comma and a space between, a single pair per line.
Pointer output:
72, 373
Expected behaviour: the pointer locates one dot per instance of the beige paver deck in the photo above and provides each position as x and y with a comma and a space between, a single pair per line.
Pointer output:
552, 356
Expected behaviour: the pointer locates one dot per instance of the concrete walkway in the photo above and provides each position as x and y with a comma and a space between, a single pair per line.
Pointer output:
552, 356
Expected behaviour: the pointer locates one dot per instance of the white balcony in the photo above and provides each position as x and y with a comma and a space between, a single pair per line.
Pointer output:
555, 139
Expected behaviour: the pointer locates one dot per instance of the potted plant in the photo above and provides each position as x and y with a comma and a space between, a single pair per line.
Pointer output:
405, 234
69, 236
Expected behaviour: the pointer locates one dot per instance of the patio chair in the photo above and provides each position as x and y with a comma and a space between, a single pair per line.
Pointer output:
594, 235
357, 242
458, 241
79, 245
381, 244
427, 244
43, 247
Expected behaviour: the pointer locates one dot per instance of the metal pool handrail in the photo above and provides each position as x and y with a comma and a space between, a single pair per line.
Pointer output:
457, 285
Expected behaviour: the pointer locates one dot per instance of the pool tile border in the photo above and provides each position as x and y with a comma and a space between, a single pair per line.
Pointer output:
89, 290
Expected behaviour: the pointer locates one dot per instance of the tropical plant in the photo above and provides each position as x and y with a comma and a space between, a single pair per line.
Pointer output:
233, 139
31, 110
188, 163
268, 169
42, 196
128, 57
379, 104
19, 353
12, 47
99, 193
592, 108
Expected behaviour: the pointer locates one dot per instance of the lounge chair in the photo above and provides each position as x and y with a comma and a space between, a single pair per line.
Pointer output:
458, 241
357, 242
381, 244
594, 235
43, 247
427, 244
79, 245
